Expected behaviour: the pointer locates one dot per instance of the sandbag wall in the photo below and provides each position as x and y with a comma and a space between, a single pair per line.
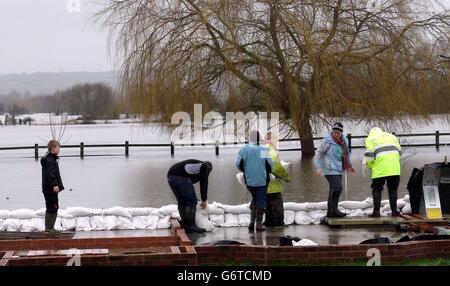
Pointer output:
215, 215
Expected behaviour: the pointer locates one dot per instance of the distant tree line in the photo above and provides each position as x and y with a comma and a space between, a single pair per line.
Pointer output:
89, 100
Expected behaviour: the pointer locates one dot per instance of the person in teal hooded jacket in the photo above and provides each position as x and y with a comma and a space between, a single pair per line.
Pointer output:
332, 160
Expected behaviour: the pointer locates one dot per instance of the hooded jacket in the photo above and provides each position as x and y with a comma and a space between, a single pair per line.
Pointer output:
328, 156
50, 173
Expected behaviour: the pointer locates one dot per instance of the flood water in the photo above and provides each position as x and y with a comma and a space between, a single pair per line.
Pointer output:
140, 179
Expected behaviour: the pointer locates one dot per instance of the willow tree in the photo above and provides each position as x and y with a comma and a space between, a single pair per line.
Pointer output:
303, 58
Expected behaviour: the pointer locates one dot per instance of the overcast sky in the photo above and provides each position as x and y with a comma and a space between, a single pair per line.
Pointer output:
44, 35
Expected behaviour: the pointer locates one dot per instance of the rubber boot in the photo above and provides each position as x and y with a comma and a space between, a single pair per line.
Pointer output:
259, 218
190, 225
330, 205
337, 212
50, 219
376, 203
251, 226
393, 203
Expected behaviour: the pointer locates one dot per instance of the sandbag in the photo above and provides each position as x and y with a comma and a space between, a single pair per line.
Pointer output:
69, 224
317, 216
138, 211
155, 212
41, 212
27, 225
304, 242
302, 218
65, 214
218, 220
289, 217
4, 214
244, 219
214, 209
406, 198
151, 221
117, 211
23, 214
317, 206
110, 221
83, 224
12, 224
240, 179
202, 221
124, 223
80, 211
58, 225
98, 222
357, 213
296, 207
238, 209
231, 220
139, 222
407, 209
384, 202
386, 209
1, 225
168, 210
164, 222
354, 205
175, 215
368, 211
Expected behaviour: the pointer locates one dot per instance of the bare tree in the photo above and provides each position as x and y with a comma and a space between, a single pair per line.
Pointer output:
303, 58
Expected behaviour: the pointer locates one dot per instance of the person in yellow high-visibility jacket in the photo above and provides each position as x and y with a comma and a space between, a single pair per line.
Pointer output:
382, 157
274, 200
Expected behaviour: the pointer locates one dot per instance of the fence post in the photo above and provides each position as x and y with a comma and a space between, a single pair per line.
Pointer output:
81, 150
437, 139
217, 148
172, 149
36, 151
349, 137
127, 148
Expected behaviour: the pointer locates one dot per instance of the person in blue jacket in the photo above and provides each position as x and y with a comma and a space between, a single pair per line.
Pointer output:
332, 160
255, 162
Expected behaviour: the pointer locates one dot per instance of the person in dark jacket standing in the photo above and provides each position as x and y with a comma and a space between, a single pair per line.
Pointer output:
51, 184
181, 178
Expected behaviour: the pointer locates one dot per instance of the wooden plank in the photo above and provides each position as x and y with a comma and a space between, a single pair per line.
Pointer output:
362, 221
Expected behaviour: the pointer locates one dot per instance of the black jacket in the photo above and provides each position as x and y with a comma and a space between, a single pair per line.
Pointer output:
50, 173
179, 169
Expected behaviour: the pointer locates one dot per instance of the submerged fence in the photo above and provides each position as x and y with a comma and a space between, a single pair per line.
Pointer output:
127, 145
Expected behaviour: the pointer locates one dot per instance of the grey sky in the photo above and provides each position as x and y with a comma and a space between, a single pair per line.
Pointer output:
42, 35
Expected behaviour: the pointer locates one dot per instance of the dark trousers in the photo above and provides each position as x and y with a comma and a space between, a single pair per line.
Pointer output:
184, 190
335, 183
258, 196
51, 202
377, 187
274, 210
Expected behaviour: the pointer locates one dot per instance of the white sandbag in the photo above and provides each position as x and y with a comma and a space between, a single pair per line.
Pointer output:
27, 225
354, 205
400, 204
304, 242
384, 202
357, 213
289, 217
285, 164
317, 206
1, 225
80, 211
138, 211
231, 220
217, 220
368, 211
124, 223
163, 223
175, 215
41, 212
110, 221
317, 216
139, 222
58, 224
155, 212
407, 209
240, 178
238, 209
369, 201
151, 221
12, 224
4, 214
65, 214
302, 218
202, 221
83, 224
406, 198
244, 219
385, 208
296, 207
69, 224
117, 211
168, 210
98, 223
214, 209
23, 214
